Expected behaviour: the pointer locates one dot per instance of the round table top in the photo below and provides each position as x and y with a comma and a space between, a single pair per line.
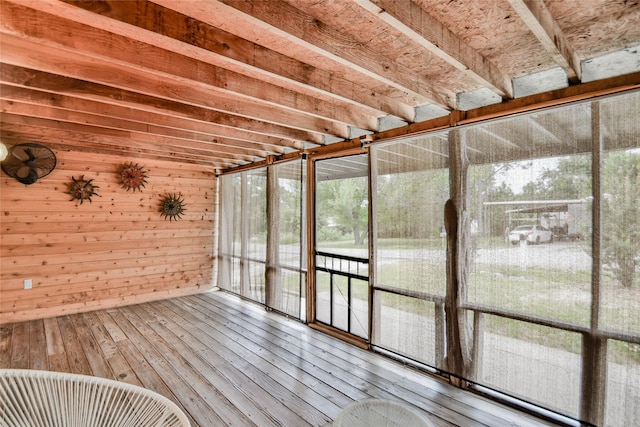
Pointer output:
380, 413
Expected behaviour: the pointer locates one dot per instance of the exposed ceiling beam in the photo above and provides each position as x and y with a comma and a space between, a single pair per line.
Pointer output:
179, 32
412, 21
212, 131
308, 32
138, 130
127, 137
225, 87
136, 79
542, 24
239, 126
88, 142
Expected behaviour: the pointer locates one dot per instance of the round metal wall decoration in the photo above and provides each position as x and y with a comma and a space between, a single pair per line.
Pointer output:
132, 176
82, 189
172, 207
29, 162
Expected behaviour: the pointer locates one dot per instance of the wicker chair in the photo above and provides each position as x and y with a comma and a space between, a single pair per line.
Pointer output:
31, 398
379, 413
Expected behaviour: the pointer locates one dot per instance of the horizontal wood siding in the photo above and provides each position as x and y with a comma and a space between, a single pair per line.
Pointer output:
115, 250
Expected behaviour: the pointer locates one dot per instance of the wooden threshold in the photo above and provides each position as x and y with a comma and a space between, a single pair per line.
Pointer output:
226, 361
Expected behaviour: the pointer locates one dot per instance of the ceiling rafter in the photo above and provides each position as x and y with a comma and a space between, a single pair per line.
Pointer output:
128, 137
54, 60
88, 141
309, 32
185, 137
539, 20
412, 21
150, 59
238, 126
218, 47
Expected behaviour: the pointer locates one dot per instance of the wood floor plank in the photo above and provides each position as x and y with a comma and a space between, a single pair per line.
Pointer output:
55, 343
325, 358
355, 365
111, 326
147, 375
76, 358
6, 335
37, 346
276, 361
184, 382
20, 346
273, 387
91, 349
227, 362
113, 357
241, 391
307, 359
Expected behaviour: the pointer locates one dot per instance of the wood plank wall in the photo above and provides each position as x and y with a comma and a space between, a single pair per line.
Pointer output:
114, 251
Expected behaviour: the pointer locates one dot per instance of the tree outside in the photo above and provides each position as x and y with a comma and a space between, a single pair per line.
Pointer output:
621, 215
342, 210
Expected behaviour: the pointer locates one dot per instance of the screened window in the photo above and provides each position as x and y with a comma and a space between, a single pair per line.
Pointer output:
410, 186
261, 236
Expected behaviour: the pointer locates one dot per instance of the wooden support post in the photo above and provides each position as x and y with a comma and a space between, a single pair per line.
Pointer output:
594, 379
440, 334
311, 241
594, 348
374, 306
457, 226
478, 343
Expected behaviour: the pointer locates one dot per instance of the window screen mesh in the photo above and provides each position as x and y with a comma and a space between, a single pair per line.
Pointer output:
551, 284
289, 286
619, 308
531, 362
249, 243
342, 243
411, 183
529, 202
622, 407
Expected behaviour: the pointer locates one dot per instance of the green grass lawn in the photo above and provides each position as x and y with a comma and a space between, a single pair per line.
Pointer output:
556, 294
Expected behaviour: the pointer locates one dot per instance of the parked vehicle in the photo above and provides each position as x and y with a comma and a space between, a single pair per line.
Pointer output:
533, 234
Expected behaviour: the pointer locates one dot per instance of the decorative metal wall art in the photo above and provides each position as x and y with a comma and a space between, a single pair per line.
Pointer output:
82, 189
29, 162
132, 176
172, 207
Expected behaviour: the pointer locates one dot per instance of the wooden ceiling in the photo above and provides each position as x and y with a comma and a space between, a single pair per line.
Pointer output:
230, 82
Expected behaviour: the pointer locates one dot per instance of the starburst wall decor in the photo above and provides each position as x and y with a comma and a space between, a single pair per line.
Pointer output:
82, 189
172, 206
132, 176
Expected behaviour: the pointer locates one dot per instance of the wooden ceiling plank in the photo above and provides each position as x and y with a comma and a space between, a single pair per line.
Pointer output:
189, 35
22, 98
129, 137
25, 77
415, 23
65, 140
164, 135
543, 25
309, 32
73, 64
251, 29
223, 86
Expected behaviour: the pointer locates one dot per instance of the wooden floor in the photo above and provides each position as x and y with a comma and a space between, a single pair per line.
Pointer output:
228, 362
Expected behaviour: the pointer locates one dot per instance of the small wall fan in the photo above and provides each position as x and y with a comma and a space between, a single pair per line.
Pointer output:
29, 162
